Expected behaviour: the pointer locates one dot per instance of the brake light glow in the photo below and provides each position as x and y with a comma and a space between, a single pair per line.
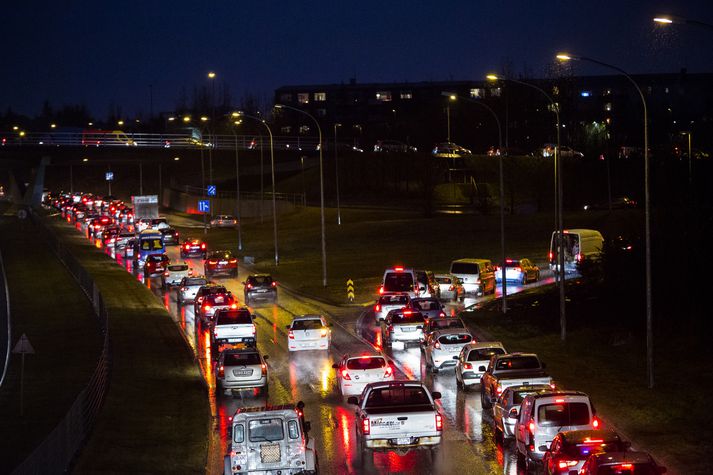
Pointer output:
559, 400
234, 305
499, 389
365, 426
323, 333
439, 422
399, 269
345, 375
212, 262
250, 286
467, 366
595, 422
578, 257
626, 466
563, 464
531, 427
381, 290
187, 247
377, 308
389, 372
274, 284
291, 335
594, 441
203, 246
264, 369
550, 255
233, 261
442, 314
221, 371
437, 345
206, 308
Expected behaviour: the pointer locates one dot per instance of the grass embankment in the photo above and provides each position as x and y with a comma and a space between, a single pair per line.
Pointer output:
156, 417
368, 241
50, 308
608, 361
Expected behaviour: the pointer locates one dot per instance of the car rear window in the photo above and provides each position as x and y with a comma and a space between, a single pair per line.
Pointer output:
241, 359
563, 414
393, 299
484, 353
584, 449
397, 396
260, 280
457, 339
155, 258
311, 324
520, 362
628, 469
269, 430
443, 280
414, 317
366, 363
398, 282
512, 263
218, 289
425, 305
196, 281
464, 268
151, 244
178, 267
519, 396
446, 323
234, 317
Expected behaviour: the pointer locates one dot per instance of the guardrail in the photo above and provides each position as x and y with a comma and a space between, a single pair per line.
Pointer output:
5, 308
297, 199
57, 451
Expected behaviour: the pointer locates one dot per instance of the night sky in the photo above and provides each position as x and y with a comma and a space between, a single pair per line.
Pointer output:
101, 53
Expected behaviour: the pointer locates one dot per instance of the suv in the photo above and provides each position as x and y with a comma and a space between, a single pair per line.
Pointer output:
193, 247
188, 288
476, 275
569, 450
213, 303
155, 265
388, 302
399, 279
204, 291
220, 262
546, 413
403, 326
272, 439
241, 368
471, 358
232, 326
260, 286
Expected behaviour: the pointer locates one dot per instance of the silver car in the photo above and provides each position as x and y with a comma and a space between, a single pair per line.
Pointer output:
189, 287
224, 221
506, 409
403, 326
309, 332
442, 345
430, 307
389, 301
175, 273
242, 368
471, 358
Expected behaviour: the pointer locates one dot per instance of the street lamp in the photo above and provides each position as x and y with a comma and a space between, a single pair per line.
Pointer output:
452, 96
272, 164
690, 167
647, 212
321, 187
336, 173
559, 221
665, 20
237, 121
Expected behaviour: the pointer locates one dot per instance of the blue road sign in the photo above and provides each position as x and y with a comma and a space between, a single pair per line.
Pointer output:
204, 206
211, 190
109, 176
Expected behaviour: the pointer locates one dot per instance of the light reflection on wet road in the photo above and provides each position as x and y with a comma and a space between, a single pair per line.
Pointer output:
468, 447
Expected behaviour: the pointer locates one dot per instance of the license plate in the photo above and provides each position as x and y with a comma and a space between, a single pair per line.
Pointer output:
222, 263
408, 329
219, 300
261, 290
403, 441
234, 340
242, 372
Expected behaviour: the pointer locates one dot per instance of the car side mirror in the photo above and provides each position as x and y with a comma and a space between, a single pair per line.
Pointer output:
481, 368
253, 316
265, 357
456, 358
436, 395
335, 366
542, 448
287, 327
353, 400
513, 413
300, 405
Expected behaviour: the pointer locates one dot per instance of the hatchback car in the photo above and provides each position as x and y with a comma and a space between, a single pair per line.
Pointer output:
175, 273
402, 326
450, 287
210, 304
522, 271
243, 368
569, 450
430, 307
259, 286
308, 332
388, 302
355, 372
220, 263
170, 236
435, 324
192, 247
441, 346
625, 463
471, 358
224, 221
188, 288
155, 265
506, 409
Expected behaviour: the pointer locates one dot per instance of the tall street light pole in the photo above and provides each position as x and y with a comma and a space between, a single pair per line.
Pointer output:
671, 19
321, 187
336, 173
647, 213
559, 220
452, 96
237, 122
272, 165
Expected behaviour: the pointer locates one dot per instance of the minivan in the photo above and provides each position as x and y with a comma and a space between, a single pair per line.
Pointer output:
476, 275
578, 245
399, 279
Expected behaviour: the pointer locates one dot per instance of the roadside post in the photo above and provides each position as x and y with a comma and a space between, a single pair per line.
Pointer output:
350, 290
23, 347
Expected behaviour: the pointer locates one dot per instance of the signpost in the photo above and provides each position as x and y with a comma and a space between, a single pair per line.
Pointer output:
23, 347
203, 206
211, 190
108, 177
350, 290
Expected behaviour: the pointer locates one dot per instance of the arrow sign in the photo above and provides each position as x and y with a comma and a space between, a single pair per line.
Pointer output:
211, 190
350, 290
23, 346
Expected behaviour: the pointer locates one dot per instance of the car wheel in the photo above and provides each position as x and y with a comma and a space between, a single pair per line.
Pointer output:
524, 278
537, 276
484, 401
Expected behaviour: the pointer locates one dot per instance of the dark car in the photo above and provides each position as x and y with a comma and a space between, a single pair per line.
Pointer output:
170, 236
569, 450
260, 286
109, 236
193, 247
155, 265
615, 463
212, 303
220, 263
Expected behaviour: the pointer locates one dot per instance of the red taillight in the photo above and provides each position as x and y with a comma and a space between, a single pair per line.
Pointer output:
345, 375
564, 464
499, 390
212, 262
166, 273
625, 466
264, 369
381, 290
274, 284
439, 422
234, 305
377, 308
291, 335
442, 314
550, 255
399, 269
389, 372
253, 330
595, 422
250, 286
467, 366
203, 246
578, 257
365, 426
437, 345
221, 371
519, 269
531, 427
233, 261
323, 333
187, 247
206, 308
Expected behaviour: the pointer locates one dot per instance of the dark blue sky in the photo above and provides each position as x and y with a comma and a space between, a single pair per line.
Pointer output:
109, 52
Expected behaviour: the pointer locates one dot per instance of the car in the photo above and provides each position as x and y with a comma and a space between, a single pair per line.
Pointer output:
544, 414
629, 463
510, 369
159, 224
208, 289
441, 346
403, 326
393, 146
109, 236
223, 221
355, 372
621, 202
155, 265
389, 301
442, 323
176, 272
506, 409
471, 358
427, 284
259, 286
570, 449
189, 287
476, 275
193, 247
450, 150
399, 279
522, 271
97, 225
210, 304
220, 262
124, 238
578, 245
241, 368
430, 307
450, 287
233, 326
308, 332
548, 150
170, 236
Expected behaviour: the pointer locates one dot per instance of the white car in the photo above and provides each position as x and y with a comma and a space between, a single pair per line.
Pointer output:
175, 273
223, 221
389, 301
443, 345
471, 358
355, 372
189, 287
309, 332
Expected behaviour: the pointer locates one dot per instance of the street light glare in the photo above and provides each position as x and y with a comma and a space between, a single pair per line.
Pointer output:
492, 77
187, 118
663, 20
211, 75
204, 118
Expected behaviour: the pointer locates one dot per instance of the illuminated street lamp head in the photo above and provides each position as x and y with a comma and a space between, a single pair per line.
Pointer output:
564, 57
121, 122
53, 126
664, 20
187, 118
85, 159
204, 118
176, 158
14, 127
171, 119
211, 75
492, 77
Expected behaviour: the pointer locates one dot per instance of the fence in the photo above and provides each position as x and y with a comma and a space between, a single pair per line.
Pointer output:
57, 451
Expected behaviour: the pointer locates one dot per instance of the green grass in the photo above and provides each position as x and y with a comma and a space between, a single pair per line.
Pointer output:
50, 308
156, 416
609, 363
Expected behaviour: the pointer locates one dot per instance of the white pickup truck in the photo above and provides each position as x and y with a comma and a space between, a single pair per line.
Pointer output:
397, 415
233, 326
511, 369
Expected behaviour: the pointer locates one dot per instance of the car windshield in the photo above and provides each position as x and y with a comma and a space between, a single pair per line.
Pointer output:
234, 317
366, 362
178, 267
397, 396
398, 282
241, 359
393, 300
413, 317
196, 281
260, 280
484, 354
439, 323
464, 268
266, 430
563, 414
425, 305
151, 244
311, 324
519, 362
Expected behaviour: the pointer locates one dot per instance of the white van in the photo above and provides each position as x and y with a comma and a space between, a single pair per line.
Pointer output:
401, 280
578, 245
476, 275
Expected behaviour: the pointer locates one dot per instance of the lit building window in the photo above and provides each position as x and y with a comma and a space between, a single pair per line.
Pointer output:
496, 92
320, 96
406, 95
286, 97
304, 129
383, 96
607, 106
321, 112
286, 129
303, 98
476, 92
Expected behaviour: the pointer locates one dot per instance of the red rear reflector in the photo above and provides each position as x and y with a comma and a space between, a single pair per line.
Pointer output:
291, 335
439, 422
345, 374
365, 427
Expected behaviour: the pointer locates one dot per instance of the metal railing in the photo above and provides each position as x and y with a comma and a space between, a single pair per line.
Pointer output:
57, 451
297, 199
